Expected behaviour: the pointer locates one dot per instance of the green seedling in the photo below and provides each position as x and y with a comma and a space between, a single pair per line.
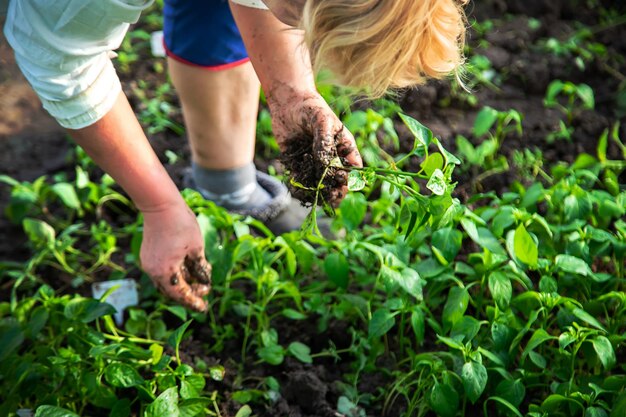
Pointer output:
495, 126
577, 97
157, 112
578, 47
135, 42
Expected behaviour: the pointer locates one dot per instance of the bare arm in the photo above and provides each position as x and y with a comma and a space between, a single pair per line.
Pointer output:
172, 251
282, 63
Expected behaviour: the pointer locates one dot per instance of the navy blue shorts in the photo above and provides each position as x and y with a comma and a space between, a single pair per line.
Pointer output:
202, 33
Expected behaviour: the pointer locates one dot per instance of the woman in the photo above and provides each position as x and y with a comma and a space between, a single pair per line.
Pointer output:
64, 49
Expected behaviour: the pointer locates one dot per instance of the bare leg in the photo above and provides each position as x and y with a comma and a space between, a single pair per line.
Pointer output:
220, 110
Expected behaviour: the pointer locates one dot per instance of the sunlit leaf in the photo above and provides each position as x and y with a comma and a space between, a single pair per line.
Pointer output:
605, 351
525, 247
474, 376
437, 183
485, 119
382, 321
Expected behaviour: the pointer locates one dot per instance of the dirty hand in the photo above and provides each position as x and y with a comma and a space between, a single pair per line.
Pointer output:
172, 254
306, 114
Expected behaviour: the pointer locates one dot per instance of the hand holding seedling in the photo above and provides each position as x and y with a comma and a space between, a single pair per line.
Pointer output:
172, 254
315, 145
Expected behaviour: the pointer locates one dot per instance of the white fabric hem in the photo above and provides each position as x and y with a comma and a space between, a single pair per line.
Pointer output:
257, 4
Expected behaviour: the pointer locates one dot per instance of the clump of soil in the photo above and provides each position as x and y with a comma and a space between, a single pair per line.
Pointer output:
306, 167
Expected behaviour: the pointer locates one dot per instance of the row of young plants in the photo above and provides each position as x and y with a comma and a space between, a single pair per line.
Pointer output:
506, 305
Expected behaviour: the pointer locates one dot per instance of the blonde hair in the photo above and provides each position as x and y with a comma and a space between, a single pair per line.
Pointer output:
382, 44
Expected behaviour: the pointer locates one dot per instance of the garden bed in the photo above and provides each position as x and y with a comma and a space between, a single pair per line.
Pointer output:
489, 285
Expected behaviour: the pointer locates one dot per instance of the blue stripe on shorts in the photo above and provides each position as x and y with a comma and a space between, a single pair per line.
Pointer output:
203, 33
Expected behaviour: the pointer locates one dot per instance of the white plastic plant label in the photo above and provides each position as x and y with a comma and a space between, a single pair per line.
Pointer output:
124, 296
156, 44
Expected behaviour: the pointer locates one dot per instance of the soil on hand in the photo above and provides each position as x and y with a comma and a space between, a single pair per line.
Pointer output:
308, 172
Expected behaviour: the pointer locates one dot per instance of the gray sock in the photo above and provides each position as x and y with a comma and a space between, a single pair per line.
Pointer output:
234, 189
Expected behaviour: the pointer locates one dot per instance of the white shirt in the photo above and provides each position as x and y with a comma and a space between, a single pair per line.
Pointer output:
64, 48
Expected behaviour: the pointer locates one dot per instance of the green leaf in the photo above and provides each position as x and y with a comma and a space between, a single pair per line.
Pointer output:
474, 376
437, 183
456, 305
603, 143
418, 323
444, 400
301, 351
193, 407
337, 268
187, 390
409, 280
217, 372
450, 158
577, 205
87, 310
482, 236
583, 161
244, 411
467, 150
548, 284
356, 181
485, 120
587, 318
566, 339
166, 404
488, 148
540, 336
39, 232
11, 337
572, 265
422, 134
292, 314
525, 247
353, 209
513, 409
448, 242
37, 321
452, 343
272, 354
67, 194
501, 289
382, 321
512, 390
52, 411
157, 353
554, 89
538, 359
619, 406
178, 311
467, 327
121, 375
9, 181
432, 163
595, 412
347, 408
585, 93
555, 401
177, 335
605, 351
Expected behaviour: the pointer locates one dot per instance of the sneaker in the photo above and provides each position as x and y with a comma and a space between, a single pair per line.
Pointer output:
281, 215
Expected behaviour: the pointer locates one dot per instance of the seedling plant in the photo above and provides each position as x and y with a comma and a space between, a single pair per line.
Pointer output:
421, 301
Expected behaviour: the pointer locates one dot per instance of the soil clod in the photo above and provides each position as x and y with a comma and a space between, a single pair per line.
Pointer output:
308, 166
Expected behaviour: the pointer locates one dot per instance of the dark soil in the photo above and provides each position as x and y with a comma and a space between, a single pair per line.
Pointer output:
307, 174
33, 145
